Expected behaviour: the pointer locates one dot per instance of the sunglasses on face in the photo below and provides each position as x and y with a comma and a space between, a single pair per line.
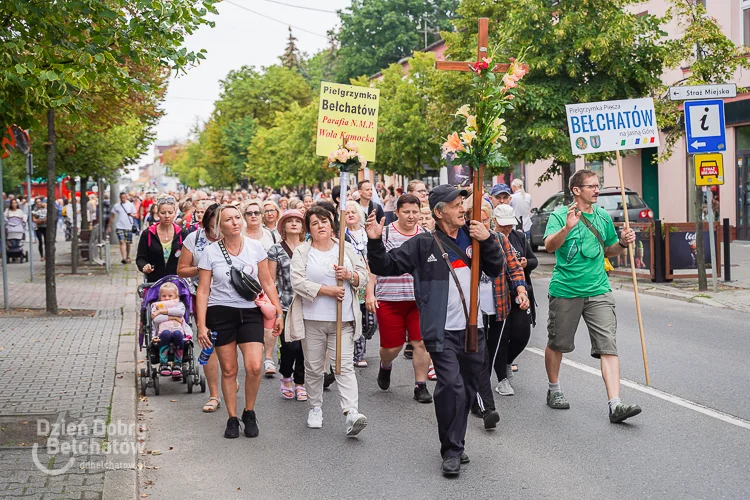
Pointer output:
253, 213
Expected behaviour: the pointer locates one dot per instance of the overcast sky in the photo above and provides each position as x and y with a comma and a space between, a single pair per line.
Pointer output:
240, 38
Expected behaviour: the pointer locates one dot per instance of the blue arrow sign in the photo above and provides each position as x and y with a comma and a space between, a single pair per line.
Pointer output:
705, 131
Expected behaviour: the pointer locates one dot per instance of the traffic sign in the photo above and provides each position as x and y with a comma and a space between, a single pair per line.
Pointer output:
704, 126
685, 93
709, 169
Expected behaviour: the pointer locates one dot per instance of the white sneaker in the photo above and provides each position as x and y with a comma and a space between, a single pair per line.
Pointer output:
504, 389
315, 418
269, 368
355, 422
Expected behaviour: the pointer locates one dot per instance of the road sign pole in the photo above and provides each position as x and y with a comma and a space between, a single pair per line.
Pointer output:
711, 240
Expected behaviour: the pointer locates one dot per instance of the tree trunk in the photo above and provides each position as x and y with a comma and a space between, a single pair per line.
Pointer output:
700, 254
51, 233
85, 203
74, 234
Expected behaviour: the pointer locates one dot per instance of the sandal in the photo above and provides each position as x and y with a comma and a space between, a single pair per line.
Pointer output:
301, 393
212, 405
361, 363
431, 373
286, 391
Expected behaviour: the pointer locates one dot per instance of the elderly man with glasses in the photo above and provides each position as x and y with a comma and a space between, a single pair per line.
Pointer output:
582, 235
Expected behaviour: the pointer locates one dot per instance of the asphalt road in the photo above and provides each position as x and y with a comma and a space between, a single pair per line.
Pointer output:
674, 449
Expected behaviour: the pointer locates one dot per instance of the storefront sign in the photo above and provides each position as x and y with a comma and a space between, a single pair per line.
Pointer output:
599, 127
709, 169
346, 110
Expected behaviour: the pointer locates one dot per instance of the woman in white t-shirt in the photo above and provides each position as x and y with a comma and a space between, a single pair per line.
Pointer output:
187, 267
237, 322
255, 230
312, 314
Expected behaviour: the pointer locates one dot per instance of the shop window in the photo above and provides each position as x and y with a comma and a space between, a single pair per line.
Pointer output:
743, 138
745, 22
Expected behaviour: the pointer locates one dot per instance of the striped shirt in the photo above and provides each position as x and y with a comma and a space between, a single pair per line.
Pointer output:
395, 288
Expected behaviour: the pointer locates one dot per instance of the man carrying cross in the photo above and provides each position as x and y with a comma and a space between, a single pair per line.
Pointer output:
440, 264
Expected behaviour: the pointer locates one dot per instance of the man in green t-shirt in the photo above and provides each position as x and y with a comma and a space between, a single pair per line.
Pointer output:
582, 235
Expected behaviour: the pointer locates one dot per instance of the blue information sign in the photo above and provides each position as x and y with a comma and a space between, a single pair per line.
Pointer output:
704, 126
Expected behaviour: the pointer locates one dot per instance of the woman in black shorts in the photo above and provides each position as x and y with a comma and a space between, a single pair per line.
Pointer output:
236, 321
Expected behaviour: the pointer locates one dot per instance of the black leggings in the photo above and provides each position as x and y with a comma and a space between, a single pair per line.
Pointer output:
515, 337
41, 232
514, 340
292, 360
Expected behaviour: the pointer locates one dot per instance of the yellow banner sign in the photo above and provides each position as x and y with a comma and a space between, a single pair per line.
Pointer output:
346, 110
709, 169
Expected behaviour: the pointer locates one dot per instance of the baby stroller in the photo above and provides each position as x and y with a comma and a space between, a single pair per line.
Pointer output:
192, 373
15, 232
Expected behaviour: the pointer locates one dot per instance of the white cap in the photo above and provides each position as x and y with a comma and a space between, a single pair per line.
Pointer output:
504, 215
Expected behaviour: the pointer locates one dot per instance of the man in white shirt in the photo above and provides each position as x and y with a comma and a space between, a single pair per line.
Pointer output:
123, 216
521, 203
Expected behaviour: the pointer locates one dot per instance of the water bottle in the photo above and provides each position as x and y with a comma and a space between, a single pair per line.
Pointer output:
207, 351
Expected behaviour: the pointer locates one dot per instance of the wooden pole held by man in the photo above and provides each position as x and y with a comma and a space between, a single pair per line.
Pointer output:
631, 253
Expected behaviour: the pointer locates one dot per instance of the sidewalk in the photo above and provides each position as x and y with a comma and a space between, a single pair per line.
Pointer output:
63, 370
732, 295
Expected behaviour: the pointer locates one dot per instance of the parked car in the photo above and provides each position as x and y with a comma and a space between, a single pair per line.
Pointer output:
610, 200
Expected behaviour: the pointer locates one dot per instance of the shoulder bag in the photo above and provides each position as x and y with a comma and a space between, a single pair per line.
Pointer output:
453, 272
244, 284
607, 264
133, 227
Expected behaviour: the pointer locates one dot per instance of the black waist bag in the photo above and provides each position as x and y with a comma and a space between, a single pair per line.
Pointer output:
244, 284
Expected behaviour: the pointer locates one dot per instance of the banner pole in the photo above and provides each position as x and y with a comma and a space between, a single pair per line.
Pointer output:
632, 270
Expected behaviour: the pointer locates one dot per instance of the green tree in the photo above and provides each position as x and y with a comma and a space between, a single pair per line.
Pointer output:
412, 120
376, 33
52, 51
285, 153
581, 51
322, 66
291, 57
712, 58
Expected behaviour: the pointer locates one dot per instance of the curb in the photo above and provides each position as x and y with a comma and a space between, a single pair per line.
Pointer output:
120, 475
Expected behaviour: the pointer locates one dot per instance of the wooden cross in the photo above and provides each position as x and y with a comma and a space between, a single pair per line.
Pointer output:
472, 344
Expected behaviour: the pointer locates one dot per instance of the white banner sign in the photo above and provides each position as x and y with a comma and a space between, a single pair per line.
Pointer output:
599, 127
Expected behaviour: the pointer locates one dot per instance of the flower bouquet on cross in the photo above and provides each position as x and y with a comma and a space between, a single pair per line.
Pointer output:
479, 144
347, 158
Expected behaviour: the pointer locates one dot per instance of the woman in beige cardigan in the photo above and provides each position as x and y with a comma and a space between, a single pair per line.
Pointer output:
312, 315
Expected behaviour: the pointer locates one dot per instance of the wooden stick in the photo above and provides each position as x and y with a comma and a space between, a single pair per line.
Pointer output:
339, 303
632, 270
471, 343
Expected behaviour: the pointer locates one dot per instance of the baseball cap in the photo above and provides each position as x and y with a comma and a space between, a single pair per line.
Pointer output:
504, 215
445, 193
500, 188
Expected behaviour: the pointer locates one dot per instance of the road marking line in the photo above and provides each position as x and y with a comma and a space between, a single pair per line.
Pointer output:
665, 396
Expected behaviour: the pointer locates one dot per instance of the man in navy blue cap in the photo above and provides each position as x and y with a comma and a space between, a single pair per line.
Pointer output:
500, 194
440, 263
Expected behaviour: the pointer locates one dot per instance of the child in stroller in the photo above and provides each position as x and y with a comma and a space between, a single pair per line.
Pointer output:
15, 232
163, 297
167, 316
